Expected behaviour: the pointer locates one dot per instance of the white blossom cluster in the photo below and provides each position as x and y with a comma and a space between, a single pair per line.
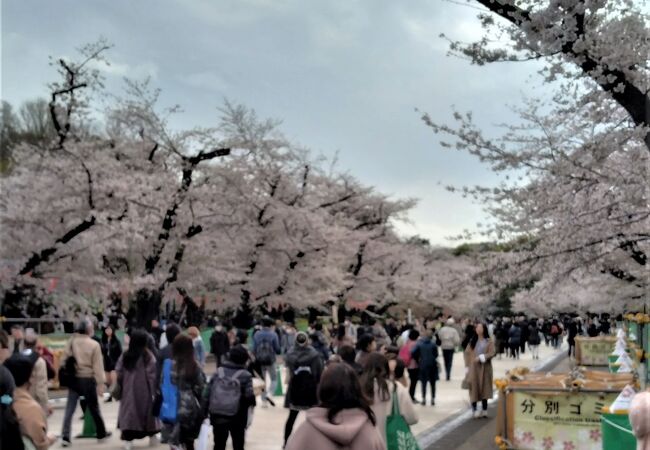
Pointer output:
575, 194
223, 215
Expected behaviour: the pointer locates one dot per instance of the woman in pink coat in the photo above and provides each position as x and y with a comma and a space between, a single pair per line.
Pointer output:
343, 419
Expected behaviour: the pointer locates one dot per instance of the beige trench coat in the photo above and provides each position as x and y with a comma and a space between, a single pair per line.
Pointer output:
479, 375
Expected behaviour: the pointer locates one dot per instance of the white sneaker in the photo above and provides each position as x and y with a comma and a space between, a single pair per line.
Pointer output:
477, 414
154, 441
484, 413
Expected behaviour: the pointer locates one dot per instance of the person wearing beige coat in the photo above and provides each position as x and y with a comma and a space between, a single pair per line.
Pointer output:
478, 363
38, 379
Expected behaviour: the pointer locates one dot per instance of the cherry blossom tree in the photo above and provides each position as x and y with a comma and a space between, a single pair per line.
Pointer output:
574, 196
231, 217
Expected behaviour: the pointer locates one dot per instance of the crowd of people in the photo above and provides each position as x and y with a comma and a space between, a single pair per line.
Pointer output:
347, 378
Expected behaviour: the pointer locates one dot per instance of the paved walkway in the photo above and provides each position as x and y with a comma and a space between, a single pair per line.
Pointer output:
267, 430
479, 434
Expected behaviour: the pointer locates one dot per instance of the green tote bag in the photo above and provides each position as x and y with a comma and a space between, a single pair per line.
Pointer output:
398, 432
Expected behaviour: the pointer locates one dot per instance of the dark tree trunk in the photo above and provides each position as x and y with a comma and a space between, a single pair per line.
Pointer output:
244, 317
146, 306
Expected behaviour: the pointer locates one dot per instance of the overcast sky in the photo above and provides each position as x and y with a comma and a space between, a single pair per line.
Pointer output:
344, 76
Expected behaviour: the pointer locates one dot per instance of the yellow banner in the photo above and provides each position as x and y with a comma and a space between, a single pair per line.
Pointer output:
556, 421
594, 351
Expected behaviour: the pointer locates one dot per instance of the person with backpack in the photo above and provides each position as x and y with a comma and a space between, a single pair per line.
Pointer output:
405, 354
182, 386
343, 419
304, 368
229, 398
136, 378
555, 332
30, 415
425, 353
83, 357
534, 339
514, 340
266, 346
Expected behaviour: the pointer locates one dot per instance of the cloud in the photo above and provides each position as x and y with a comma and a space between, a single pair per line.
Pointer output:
206, 80
121, 69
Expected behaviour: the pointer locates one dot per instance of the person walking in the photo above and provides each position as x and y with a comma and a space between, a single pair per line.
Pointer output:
343, 419
171, 331
230, 397
89, 380
478, 360
406, 355
187, 381
555, 331
425, 353
197, 343
111, 352
219, 343
348, 356
449, 340
514, 340
523, 339
534, 339
31, 417
304, 369
16, 341
366, 345
266, 347
318, 345
376, 385
572, 332
136, 376
38, 379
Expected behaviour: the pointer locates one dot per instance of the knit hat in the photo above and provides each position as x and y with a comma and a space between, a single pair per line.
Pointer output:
301, 338
20, 367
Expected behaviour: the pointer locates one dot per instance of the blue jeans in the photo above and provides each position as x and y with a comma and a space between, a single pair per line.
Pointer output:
271, 370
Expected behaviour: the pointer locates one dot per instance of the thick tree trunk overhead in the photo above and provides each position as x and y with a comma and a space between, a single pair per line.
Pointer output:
631, 98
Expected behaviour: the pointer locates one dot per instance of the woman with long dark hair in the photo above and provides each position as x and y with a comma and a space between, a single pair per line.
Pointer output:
184, 373
377, 387
136, 375
343, 418
111, 352
478, 360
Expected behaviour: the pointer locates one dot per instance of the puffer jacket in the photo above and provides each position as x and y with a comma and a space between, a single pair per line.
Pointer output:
351, 430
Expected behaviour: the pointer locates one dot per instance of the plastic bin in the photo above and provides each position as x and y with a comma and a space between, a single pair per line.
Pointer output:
617, 432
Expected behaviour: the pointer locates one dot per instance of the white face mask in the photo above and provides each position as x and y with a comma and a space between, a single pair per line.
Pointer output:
219, 328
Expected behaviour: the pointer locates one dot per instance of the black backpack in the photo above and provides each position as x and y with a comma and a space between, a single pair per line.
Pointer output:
264, 353
303, 387
68, 370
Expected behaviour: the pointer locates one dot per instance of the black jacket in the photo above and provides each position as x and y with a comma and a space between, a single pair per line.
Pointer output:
219, 344
111, 351
301, 356
247, 395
